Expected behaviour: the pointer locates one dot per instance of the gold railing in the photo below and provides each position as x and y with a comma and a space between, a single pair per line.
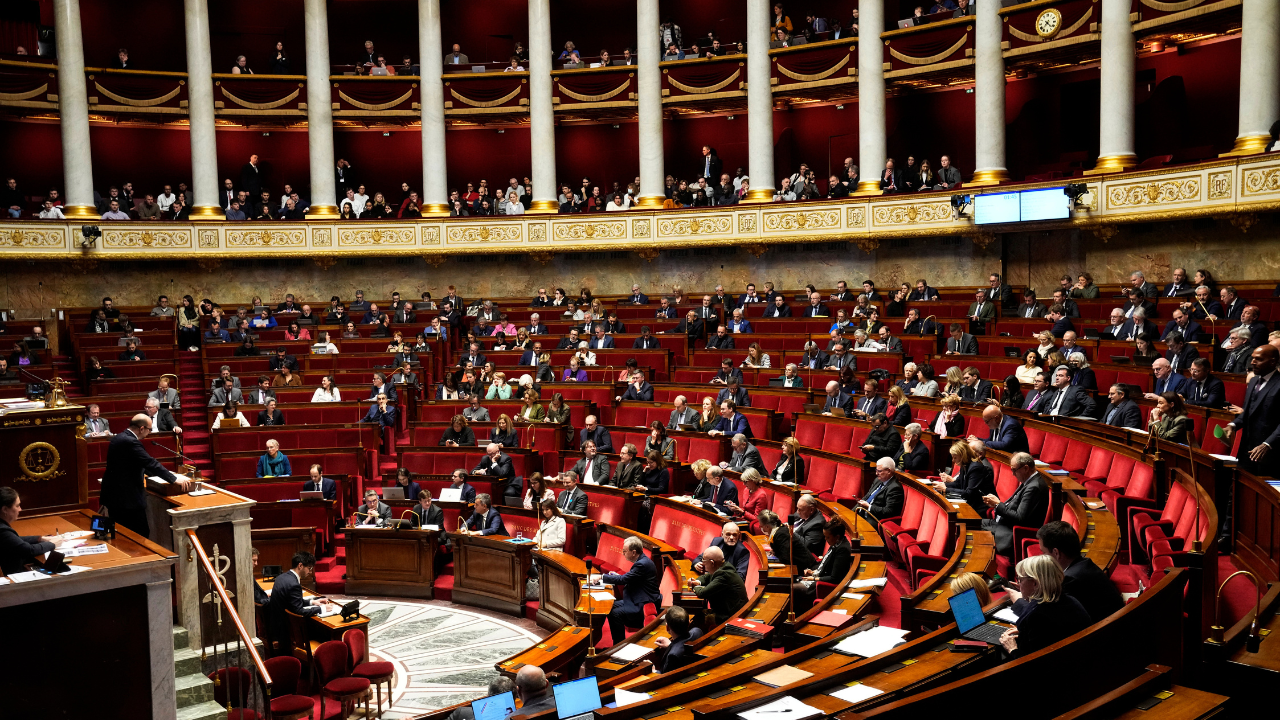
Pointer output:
255, 695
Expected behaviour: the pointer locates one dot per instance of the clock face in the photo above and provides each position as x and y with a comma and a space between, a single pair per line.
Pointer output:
1048, 23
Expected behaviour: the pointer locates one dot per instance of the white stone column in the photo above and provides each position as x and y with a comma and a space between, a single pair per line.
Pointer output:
759, 104
649, 89
872, 142
1116, 144
73, 112
542, 119
435, 191
204, 144
988, 98
319, 112
1259, 75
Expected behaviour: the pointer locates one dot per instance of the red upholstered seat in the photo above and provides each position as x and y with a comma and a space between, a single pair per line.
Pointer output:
288, 704
1035, 440
332, 665
346, 685
1076, 456
1054, 449
821, 473
375, 672
809, 432
837, 438
848, 483
285, 703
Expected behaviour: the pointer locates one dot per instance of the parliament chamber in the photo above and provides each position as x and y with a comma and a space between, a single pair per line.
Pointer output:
325, 396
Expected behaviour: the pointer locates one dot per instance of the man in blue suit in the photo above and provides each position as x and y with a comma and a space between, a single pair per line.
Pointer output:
718, 491
639, 588
321, 483
731, 422
124, 491
637, 297
485, 520
1061, 323
737, 324
735, 552
870, 403
1006, 432
1121, 412
671, 653
1182, 323
1166, 380
530, 357
836, 398
1206, 390
600, 341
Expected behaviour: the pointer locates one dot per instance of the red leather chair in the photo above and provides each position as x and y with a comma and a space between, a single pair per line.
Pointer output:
334, 679
376, 672
231, 687
286, 703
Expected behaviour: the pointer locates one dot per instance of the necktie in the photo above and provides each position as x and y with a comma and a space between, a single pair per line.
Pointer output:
1057, 402
978, 313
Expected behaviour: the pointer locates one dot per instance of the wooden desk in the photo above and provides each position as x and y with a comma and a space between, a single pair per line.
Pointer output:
490, 572
387, 561
928, 606
328, 628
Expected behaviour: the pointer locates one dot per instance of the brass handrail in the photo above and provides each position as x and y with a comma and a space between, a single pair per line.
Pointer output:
226, 603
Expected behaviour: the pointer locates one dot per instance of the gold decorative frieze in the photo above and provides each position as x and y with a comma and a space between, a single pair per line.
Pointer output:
322, 237
746, 223
131, 239
718, 225
209, 238
802, 221
431, 235
1157, 192
485, 234
1262, 181
537, 232
855, 217
542, 257
914, 213
648, 254
640, 228
1220, 185
602, 230
267, 237
377, 236
54, 237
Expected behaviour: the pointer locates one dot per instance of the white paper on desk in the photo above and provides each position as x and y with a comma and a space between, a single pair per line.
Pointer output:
28, 576
73, 569
784, 707
87, 550
432, 527
1096, 505
602, 596
77, 534
157, 480
867, 583
853, 596
451, 495
327, 613
857, 693
631, 653
206, 491
1006, 614
872, 642
626, 697
1225, 458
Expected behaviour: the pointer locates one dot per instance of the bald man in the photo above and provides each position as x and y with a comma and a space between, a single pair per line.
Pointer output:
731, 548
124, 491
720, 586
1005, 434
533, 691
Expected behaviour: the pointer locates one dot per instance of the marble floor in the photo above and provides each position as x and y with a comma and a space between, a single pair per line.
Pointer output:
443, 653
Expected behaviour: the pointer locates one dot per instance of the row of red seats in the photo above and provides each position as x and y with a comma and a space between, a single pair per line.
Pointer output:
922, 538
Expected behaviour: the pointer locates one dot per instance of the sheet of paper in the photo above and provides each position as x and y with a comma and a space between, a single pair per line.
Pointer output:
73, 569
853, 596
868, 583
626, 697
840, 611
784, 707
857, 693
602, 596
782, 675
28, 576
871, 642
1225, 458
206, 491
631, 652
1096, 505
87, 550
1006, 614
157, 480
77, 534
432, 527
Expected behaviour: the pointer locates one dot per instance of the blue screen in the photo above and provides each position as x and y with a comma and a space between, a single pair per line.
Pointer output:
577, 697
1049, 204
996, 208
494, 707
967, 610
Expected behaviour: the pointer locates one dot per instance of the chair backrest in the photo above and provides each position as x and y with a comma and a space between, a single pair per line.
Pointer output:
331, 661
284, 671
298, 631
354, 640
1141, 482
231, 686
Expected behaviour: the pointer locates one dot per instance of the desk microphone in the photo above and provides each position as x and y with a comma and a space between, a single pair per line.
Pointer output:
410, 511
190, 464
41, 381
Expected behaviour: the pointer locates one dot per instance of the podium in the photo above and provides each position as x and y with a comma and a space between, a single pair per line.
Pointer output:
46, 458
391, 561
489, 571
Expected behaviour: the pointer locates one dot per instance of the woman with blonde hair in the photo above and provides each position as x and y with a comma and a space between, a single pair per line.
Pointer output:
505, 433
756, 500
790, 467
1046, 343
955, 381
532, 410
974, 582
950, 422
1045, 613
523, 341
699, 468
499, 390
899, 407
755, 357
969, 479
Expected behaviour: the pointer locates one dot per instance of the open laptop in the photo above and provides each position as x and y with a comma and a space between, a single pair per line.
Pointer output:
813, 408
494, 707
393, 493
970, 621
577, 699
311, 495
908, 22
1144, 360
1011, 351
1120, 359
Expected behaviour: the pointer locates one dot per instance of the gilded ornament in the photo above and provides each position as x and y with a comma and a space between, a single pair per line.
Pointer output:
209, 264
639, 229
39, 461
542, 258
983, 239
324, 262
747, 222
1154, 193
902, 215
1105, 232
810, 220
1266, 180
431, 235
1243, 221
650, 253
434, 261
1219, 185
322, 237
1048, 23
868, 245
856, 217
208, 238
756, 249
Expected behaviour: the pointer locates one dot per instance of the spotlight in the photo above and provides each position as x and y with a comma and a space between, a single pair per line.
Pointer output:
90, 234
963, 205
1079, 195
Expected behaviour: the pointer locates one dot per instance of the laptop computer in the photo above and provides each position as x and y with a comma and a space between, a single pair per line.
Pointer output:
688, 427
477, 68
904, 24
1120, 359
320, 349
812, 408
393, 493
776, 382
836, 412
1144, 360
494, 707
970, 621
577, 699
1011, 351
1091, 334
311, 495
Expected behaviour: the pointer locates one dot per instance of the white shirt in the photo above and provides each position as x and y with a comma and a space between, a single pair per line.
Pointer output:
614, 207
164, 201
361, 202
217, 423
53, 213
322, 395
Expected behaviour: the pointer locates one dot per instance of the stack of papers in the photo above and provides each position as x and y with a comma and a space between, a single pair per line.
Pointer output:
857, 693
631, 653
623, 697
785, 706
783, 675
868, 583
1006, 615
602, 596
871, 642
86, 550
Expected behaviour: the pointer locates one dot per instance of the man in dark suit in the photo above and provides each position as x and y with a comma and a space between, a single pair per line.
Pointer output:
1260, 418
981, 311
707, 313
318, 482
1061, 323
725, 301
289, 305
251, 177
1037, 398
690, 326
1006, 433
731, 421
1180, 353
373, 512
535, 326
816, 309
495, 464
735, 392
124, 492
596, 434
637, 297
1180, 287
1249, 321
745, 455
1136, 325
778, 309
638, 389
1183, 325
671, 653
1029, 308
282, 359
1203, 305
458, 481
884, 499
261, 394
750, 296
730, 544
915, 325
1205, 389
592, 468
1232, 304
836, 398
639, 588
806, 525
381, 387
646, 341
722, 340
840, 357
999, 292
627, 471
1139, 282
682, 414
566, 343
1166, 380
572, 500
1121, 412
1082, 578
813, 357
286, 597
718, 491
961, 342
600, 341
883, 440
870, 404
666, 311
1026, 506
382, 413
922, 292
975, 390
721, 586
890, 179
485, 520
1068, 400
1138, 300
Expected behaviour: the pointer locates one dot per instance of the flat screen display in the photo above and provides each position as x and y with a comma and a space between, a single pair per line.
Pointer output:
577, 697
996, 208
494, 707
1048, 204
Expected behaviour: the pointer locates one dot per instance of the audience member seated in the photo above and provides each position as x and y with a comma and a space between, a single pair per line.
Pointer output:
831, 568
318, 482
884, 499
969, 479
734, 553
1046, 613
274, 463
1026, 506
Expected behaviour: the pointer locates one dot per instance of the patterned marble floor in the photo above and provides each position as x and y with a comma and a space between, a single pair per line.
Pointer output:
443, 653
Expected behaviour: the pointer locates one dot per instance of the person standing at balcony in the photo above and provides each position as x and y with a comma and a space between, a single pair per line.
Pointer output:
251, 175
669, 34
711, 164
368, 57
280, 62
964, 7
781, 20
122, 61
948, 175
241, 67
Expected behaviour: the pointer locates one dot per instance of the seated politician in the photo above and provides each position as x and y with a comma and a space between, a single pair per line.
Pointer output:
274, 463
286, 597
374, 512
1082, 578
639, 588
485, 520
720, 586
1046, 613
17, 551
831, 568
731, 547
671, 653
323, 484
783, 544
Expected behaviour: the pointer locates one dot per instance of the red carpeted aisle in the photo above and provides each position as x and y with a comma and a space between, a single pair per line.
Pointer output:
193, 418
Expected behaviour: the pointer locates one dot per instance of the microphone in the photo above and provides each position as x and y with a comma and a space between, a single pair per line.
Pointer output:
927, 319
44, 383
189, 464
410, 511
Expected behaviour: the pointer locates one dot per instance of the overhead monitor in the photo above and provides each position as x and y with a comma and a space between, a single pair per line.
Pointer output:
1047, 204
996, 208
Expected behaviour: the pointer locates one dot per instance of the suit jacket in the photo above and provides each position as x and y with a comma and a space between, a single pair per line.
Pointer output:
646, 343
123, 487
816, 362
381, 511
819, 310
715, 342
809, 533
886, 498
1126, 414
574, 502
501, 468
978, 393
286, 597
599, 470
1129, 330
1061, 327
1186, 290
1173, 382
723, 591
275, 362
1036, 401
1085, 581
740, 398
601, 437
270, 418
1076, 402
1034, 310
1260, 422
488, 524
639, 585
972, 482
1026, 507
695, 331
675, 655
743, 327
626, 474
387, 389
920, 326
986, 314
885, 443
773, 311
735, 557
726, 492
835, 565
604, 343
839, 362
967, 345
220, 397
1209, 393
258, 396
327, 486
376, 415
16, 551
748, 458
1085, 378
790, 549
1184, 358
645, 392
871, 405
707, 313
1009, 437
681, 418
1191, 333
733, 425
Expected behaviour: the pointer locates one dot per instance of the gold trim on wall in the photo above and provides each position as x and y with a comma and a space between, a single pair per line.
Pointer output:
932, 58
1171, 6
138, 103
260, 106
375, 107
816, 76
1031, 37
703, 90
16, 97
594, 98
486, 104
